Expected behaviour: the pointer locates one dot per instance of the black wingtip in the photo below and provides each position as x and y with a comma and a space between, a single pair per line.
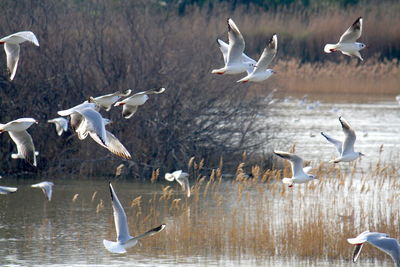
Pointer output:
217, 40
111, 191
160, 228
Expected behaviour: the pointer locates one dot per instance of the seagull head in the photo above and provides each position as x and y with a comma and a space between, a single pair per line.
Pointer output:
360, 154
362, 46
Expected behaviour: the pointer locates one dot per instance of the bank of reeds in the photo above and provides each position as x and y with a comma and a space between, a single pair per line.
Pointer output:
259, 217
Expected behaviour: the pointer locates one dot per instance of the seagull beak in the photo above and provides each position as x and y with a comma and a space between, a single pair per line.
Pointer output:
362, 154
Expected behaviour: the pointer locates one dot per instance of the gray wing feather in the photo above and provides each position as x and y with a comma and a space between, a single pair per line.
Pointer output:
387, 245
114, 145
150, 232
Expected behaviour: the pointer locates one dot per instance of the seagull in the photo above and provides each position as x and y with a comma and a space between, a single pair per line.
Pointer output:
76, 118
381, 241
47, 188
346, 149
93, 124
260, 72
124, 240
4, 190
182, 178
106, 101
347, 43
61, 125
11, 46
131, 104
235, 60
17, 131
299, 174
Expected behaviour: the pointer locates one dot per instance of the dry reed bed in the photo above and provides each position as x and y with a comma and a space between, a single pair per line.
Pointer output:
261, 217
369, 77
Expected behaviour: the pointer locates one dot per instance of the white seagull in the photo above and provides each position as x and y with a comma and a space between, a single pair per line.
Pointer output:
17, 131
299, 174
47, 188
11, 46
381, 241
182, 178
235, 60
7, 190
61, 125
345, 149
106, 101
131, 104
124, 240
93, 124
261, 72
347, 43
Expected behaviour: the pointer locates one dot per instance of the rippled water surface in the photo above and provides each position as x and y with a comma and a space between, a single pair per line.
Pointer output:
68, 231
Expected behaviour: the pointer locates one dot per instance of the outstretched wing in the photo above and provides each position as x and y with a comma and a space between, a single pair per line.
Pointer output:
338, 144
25, 146
353, 32
350, 137
114, 145
236, 43
267, 55
121, 223
12, 53
295, 161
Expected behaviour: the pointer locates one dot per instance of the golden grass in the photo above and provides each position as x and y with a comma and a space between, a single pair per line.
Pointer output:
369, 77
262, 218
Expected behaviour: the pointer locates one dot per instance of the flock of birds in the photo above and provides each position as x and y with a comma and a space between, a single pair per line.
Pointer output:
85, 119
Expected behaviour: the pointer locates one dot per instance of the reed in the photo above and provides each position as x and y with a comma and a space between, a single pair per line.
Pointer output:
262, 218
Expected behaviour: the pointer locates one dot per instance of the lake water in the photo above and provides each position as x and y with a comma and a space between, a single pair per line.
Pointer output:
68, 231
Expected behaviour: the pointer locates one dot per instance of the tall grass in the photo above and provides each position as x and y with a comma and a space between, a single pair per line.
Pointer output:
262, 218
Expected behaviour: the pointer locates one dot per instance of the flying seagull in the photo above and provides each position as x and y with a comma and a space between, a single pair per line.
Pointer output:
182, 178
17, 131
235, 60
260, 71
106, 101
47, 188
131, 104
345, 149
11, 46
381, 241
124, 240
347, 43
299, 174
61, 125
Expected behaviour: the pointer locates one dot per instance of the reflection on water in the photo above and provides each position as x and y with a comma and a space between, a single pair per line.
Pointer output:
67, 232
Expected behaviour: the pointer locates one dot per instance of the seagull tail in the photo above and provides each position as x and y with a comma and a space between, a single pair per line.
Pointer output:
113, 247
219, 71
329, 48
287, 181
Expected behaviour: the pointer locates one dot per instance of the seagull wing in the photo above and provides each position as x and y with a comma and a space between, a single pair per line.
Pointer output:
184, 182
267, 55
25, 145
121, 223
7, 190
350, 137
114, 145
388, 245
236, 43
12, 53
149, 233
295, 161
353, 32
224, 47
338, 144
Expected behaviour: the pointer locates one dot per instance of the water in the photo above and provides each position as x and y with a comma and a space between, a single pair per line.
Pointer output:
63, 232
